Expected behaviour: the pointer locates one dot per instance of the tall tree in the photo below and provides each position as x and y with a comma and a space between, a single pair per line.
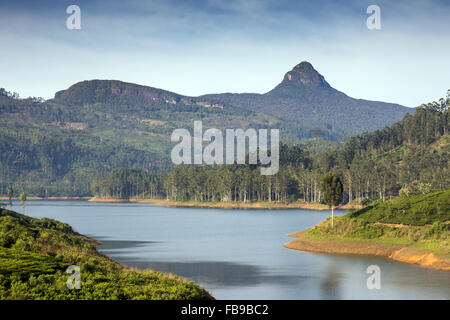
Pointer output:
332, 188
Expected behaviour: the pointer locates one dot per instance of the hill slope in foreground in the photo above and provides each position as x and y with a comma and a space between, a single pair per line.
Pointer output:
414, 230
35, 254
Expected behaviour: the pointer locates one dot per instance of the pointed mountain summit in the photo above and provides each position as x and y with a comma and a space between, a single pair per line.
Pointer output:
304, 74
304, 95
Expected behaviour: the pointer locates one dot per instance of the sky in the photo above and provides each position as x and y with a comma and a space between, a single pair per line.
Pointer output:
212, 46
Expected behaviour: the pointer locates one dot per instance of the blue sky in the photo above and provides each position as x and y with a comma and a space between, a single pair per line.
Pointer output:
210, 46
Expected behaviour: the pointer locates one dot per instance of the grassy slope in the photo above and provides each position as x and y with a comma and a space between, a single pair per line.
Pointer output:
34, 254
414, 229
417, 210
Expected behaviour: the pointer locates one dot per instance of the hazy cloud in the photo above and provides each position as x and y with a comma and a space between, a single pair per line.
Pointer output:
196, 47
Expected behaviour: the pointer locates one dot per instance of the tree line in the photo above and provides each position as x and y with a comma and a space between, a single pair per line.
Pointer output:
410, 157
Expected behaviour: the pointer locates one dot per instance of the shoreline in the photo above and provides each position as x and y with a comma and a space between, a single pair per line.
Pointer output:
46, 198
407, 253
49, 256
227, 205
197, 204
93, 242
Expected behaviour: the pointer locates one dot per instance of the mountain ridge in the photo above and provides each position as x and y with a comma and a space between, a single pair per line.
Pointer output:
303, 95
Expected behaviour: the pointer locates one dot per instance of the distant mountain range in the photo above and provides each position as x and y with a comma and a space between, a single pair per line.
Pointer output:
94, 126
305, 96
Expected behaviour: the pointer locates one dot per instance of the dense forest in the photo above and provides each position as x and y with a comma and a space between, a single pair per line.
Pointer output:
410, 157
45, 164
56, 147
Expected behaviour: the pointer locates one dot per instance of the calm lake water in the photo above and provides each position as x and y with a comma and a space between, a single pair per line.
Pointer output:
238, 254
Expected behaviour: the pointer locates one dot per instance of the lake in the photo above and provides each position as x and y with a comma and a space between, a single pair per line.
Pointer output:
237, 254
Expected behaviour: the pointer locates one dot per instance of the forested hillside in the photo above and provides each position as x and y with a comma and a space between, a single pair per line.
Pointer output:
56, 147
410, 157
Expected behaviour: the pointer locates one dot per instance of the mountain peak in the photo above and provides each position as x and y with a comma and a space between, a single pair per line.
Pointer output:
305, 74
113, 92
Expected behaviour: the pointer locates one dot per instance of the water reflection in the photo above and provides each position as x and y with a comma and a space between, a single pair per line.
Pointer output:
215, 272
330, 285
113, 245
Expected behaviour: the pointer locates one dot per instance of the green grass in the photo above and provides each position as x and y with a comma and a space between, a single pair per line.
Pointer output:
26, 263
34, 255
416, 210
423, 223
